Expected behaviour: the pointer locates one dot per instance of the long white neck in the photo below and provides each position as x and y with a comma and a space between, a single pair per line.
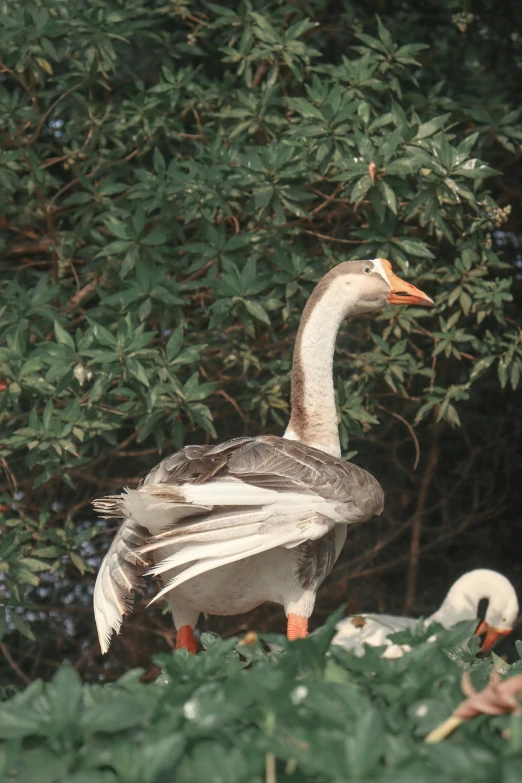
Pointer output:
462, 601
313, 417
454, 611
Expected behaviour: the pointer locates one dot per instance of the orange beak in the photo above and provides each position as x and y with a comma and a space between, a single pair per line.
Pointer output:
492, 634
403, 293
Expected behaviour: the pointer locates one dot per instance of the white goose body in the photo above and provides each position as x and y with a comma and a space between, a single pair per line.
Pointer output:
228, 527
460, 604
240, 586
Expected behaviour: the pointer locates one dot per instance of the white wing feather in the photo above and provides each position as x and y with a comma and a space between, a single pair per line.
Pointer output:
116, 581
287, 532
375, 633
108, 610
275, 519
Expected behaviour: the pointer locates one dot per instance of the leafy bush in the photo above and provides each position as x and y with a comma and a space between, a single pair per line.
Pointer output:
235, 713
175, 177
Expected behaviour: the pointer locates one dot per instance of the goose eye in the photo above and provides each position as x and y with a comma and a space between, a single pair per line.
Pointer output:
367, 270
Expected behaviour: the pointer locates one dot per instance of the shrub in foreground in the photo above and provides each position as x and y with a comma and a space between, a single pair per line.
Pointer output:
238, 714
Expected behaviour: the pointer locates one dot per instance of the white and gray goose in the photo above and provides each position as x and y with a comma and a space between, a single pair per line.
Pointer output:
228, 527
461, 603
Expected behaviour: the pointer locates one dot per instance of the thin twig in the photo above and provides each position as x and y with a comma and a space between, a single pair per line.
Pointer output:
328, 199
262, 68
53, 107
54, 161
29, 248
270, 768
81, 294
99, 166
14, 665
9, 475
468, 520
49, 220
417, 526
411, 431
200, 127
229, 399
200, 272
334, 239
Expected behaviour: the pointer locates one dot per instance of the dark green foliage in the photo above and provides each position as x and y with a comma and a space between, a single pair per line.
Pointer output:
174, 179
235, 714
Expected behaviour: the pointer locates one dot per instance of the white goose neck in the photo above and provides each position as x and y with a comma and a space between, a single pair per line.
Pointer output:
313, 413
463, 599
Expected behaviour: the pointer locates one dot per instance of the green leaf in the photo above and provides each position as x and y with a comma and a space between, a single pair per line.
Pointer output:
103, 336
388, 196
63, 337
465, 302
17, 722
110, 715
137, 370
174, 343
364, 747
117, 228
502, 373
414, 247
474, 169
255, 309
159, 161
21, 626
465, 147
481, 365
385, 35
117, 247
360, 189
78, 561
430, 127
305, 108
158, 236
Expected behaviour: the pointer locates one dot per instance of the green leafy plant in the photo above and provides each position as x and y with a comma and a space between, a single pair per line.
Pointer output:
238, 713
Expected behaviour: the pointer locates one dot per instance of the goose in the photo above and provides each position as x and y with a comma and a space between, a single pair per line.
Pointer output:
461, 603
227, 527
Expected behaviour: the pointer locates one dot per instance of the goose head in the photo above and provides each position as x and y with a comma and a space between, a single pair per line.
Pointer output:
464, 597
355, 287
349, 289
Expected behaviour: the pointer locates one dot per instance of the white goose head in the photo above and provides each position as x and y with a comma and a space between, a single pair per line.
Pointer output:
464, 597
355, 287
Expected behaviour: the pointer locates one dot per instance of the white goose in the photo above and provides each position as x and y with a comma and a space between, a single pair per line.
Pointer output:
461, 603
228, 527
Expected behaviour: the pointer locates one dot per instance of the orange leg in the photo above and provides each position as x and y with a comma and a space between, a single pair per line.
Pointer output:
297, 627
185, 638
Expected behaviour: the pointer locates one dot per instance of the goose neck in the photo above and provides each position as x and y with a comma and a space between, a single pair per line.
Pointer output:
313, 413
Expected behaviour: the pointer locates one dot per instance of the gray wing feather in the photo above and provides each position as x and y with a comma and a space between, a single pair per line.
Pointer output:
315, 560
279, 464
290, 466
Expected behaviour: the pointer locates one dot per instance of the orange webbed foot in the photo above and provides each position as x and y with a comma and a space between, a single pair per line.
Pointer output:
185, 638
297, 627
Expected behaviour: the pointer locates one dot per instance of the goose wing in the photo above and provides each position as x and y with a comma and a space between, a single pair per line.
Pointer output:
205, 507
